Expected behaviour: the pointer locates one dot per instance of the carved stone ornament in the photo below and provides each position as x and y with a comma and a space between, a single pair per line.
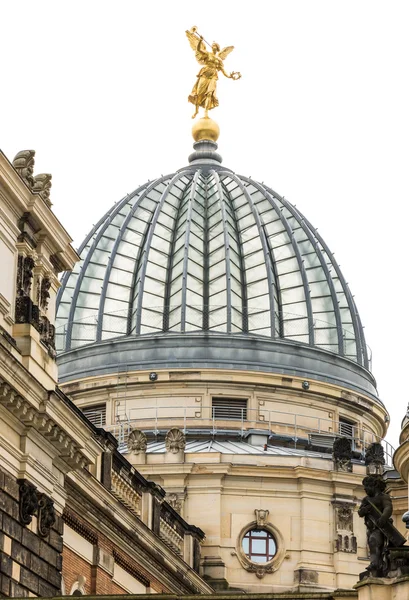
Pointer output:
46, 515
174, 501
28, 502
42, 186
24, 275
342, 454
137, 442
261, 517
345, 540
375, 459
175, 441
23, 163
45, 293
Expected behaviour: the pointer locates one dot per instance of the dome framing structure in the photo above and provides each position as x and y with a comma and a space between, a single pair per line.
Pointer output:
207, 251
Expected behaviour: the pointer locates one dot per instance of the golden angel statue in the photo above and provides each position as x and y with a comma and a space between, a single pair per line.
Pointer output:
204, 91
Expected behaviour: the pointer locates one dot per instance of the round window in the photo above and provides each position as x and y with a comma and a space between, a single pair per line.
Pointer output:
259, 545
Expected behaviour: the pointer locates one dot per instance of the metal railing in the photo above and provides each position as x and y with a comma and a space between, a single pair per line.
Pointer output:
284, 428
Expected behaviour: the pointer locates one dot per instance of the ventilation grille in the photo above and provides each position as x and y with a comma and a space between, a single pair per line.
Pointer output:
229, 408
96, 414
346, 428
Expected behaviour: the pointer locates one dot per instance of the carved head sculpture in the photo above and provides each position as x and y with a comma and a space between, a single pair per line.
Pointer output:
137, 442
373, 485
175, 441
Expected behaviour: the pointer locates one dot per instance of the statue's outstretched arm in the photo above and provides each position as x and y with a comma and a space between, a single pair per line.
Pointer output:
387, 510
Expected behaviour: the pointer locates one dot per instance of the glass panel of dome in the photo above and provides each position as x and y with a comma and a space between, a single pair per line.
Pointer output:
321, 304
100, 256
218, 319
193, 299
217, 269
112, 305
218, 299
121, 276
87, 300
115, 323
118, 291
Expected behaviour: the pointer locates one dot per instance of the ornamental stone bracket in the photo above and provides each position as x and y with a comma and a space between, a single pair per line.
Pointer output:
66, 447
32, 503
261, 569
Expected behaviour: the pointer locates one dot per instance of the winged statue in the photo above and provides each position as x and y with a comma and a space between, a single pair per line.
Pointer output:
204, 91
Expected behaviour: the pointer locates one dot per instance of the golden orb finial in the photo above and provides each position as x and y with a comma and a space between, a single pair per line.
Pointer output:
205, 129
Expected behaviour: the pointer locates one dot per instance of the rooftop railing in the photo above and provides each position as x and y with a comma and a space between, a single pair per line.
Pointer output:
289, 429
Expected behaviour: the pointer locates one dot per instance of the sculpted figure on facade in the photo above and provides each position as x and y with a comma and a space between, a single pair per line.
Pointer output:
204, 91
137, 442
23, 163
175, 441
376, 509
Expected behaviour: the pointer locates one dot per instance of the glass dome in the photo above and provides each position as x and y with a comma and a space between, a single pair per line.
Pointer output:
206, 250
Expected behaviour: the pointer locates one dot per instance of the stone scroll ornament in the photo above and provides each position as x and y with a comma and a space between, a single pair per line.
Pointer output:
175, 441
137, 442
28, 502
46, 515
382, 536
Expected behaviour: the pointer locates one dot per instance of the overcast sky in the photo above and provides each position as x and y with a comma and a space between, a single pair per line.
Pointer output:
99, 90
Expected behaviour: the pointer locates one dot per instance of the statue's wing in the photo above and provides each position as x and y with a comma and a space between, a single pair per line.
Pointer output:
193, 40
225, 52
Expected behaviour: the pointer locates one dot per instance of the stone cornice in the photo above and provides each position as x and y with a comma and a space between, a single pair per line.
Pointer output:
33, 406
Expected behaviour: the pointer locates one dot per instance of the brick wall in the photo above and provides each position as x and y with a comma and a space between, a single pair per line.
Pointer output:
30, 565
98, 580
73, 567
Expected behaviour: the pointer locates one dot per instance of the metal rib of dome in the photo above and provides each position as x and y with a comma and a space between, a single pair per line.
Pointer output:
207, 250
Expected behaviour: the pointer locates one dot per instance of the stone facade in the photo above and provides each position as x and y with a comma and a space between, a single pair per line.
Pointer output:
311, 496
75, 516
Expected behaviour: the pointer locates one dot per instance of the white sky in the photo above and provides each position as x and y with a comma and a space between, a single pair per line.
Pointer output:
99, 90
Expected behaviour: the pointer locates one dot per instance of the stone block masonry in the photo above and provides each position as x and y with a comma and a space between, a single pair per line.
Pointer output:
30, 564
